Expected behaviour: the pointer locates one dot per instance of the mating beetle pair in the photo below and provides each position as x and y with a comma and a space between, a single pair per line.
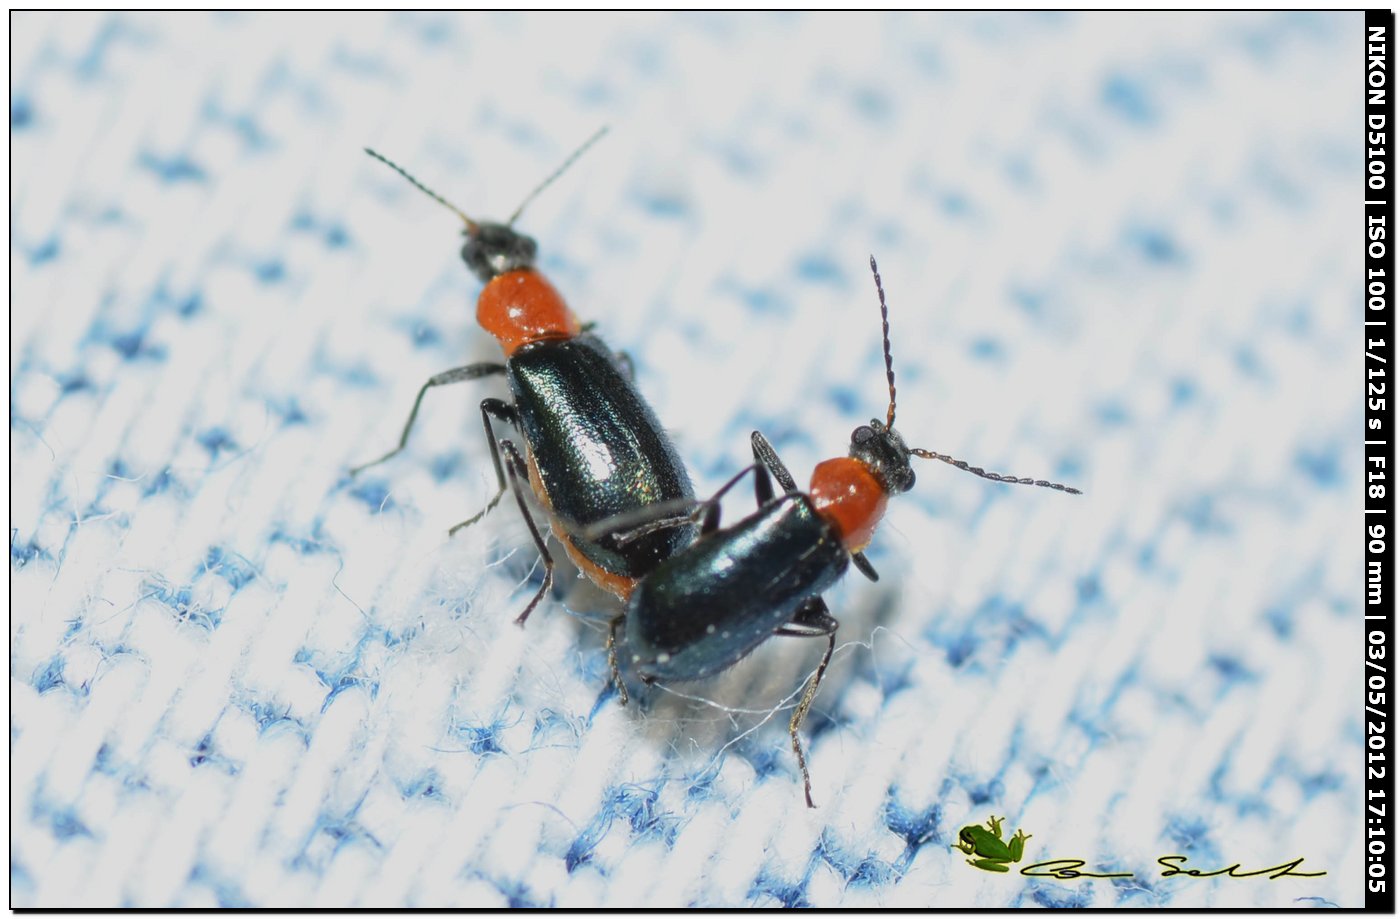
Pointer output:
621, 503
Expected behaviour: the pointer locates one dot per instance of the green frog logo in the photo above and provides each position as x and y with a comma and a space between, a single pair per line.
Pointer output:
991, 851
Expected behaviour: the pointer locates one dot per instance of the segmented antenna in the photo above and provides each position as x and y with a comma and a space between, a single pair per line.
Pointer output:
573, 157
994, 476
885, 320
472, 225
929, 454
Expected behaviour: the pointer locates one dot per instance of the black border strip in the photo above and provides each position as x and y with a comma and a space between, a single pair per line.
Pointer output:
1379, 281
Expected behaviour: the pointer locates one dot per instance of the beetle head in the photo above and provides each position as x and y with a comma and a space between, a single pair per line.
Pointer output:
492, 249
883, 452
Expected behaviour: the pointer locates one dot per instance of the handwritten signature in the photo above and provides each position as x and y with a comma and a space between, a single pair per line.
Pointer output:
1068, 869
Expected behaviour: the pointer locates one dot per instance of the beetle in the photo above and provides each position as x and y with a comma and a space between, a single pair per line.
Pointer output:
593, 448
705, 608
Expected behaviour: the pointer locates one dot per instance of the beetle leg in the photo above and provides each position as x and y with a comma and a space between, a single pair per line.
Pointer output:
515, 465
612, 658
491, 408
811, 620
631, 525
764, 454
710, 523
455, 375
625, 536
864, 567
625, 528
762, 485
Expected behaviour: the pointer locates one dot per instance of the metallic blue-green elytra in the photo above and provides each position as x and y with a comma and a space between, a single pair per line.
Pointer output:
704, 609
598, 449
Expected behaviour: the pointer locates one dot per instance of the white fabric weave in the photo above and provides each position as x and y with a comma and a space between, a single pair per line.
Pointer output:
1121, 251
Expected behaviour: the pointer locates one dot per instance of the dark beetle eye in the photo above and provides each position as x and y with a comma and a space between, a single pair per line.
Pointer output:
861, 434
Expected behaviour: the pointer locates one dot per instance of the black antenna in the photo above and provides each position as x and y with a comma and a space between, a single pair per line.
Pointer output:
929, 454
472, 225
994, 476
885, 319
597, 135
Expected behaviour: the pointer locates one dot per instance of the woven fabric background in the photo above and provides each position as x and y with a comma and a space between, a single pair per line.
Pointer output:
1121, 251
